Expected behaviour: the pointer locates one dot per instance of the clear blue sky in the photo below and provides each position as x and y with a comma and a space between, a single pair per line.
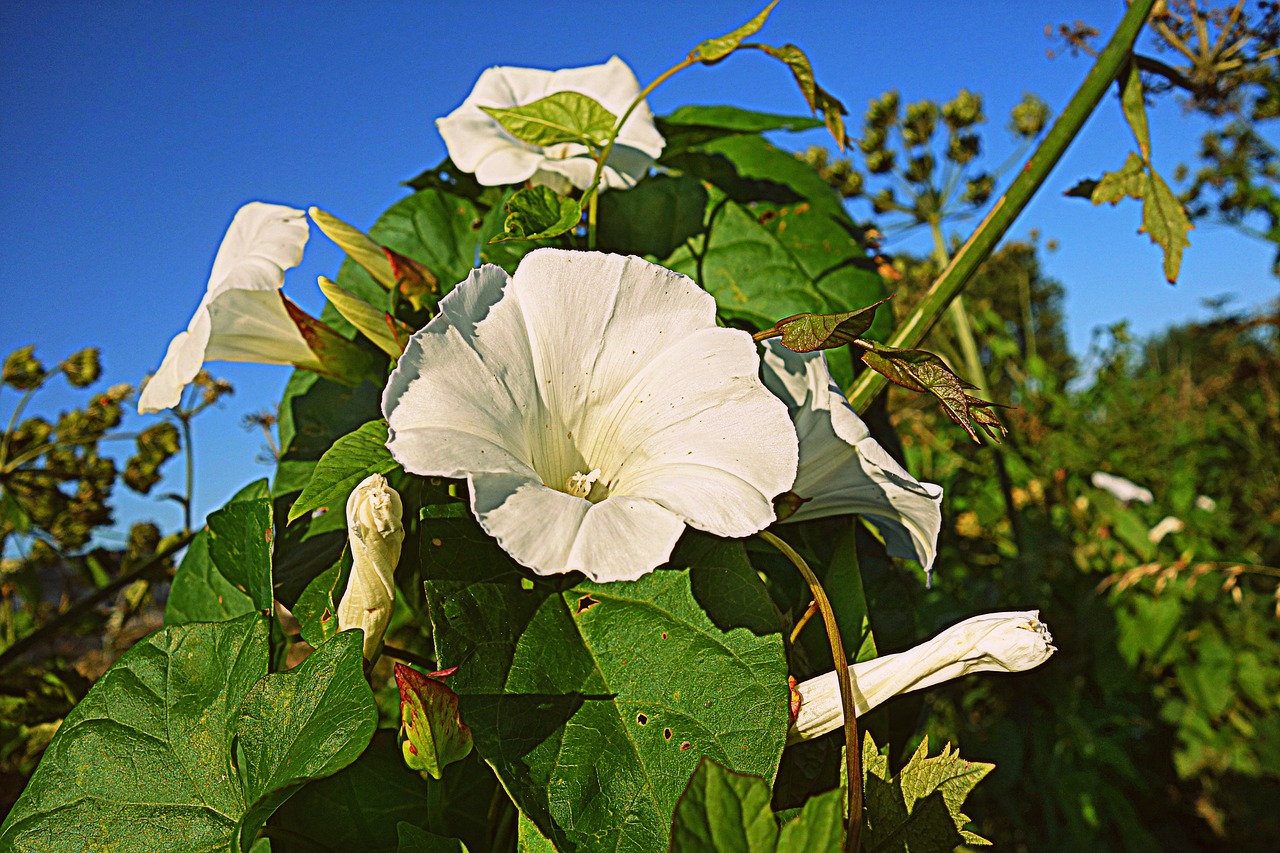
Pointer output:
130, 132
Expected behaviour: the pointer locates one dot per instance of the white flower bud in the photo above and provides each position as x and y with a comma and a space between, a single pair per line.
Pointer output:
375, 533
993, 642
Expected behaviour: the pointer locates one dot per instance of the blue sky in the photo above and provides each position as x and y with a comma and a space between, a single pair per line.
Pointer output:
132, 131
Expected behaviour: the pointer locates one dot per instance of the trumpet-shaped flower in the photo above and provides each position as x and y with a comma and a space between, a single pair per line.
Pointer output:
595, 409
842, 468
244, 316
993, 642
1123, 490
479, 143
375, 533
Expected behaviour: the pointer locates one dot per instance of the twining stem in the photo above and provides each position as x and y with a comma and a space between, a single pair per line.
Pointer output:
191, 470
803, 620
992, 228
84, 605
852, 754
592, 208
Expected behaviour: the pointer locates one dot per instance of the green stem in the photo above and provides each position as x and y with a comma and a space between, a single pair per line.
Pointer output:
591, 218
852, 754
84, 605
989, 232
191, 470
17, 413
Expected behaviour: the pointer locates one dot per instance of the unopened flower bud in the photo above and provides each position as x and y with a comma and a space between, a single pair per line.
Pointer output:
994, 642
375, 533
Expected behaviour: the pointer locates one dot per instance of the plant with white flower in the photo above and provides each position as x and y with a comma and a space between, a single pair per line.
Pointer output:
595, 409
993, 642
499, 137
843, 470
244, 316
375, 534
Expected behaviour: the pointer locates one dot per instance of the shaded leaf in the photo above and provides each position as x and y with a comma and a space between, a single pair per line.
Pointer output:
377, 325
1082, 188
303, 724
693, 125
358, 246
654, 218
416, 283
819, 826
145, 757
714, 49
594, 702
350, 460
436, 736
809, 332
240, 541
538, 212
415, 840
925, 372
200, 593
317, 607
314, 413
723, 810
558, 118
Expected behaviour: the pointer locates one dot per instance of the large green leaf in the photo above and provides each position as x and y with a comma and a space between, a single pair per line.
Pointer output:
303, 724
240, 536
353, 457
556, 119
314, 413
200, 593
145, 759
594, 702
654, 218
692, 125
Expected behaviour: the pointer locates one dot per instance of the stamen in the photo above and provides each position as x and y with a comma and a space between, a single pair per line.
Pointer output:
579, 485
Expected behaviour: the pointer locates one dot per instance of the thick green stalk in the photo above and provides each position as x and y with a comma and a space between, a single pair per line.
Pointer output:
989, 232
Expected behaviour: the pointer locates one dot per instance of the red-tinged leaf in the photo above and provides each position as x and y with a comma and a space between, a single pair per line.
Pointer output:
787, 504
435, 735
416, 283
818, 98
808, 332
925, 372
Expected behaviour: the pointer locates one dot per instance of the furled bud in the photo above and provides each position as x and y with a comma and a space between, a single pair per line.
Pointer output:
375, 533
994, 642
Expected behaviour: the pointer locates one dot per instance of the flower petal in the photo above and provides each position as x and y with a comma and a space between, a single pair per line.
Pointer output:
842, 468
253, 325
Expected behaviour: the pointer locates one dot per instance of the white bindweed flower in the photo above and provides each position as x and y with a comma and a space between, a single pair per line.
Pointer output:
479, 143
244, 316
842, 468
375, 532
1123, 490
993, 642
595, 409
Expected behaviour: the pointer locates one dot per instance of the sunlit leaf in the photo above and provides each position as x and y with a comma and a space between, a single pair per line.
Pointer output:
1165, 221
358, 246
925, 372
723, 810
377, 325
809, 332
1132, 102
558, 118
714, 49
1130, 181
351, 458
240, 543
818, 98
436, 737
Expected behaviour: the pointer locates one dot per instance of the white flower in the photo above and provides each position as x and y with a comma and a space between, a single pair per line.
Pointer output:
993, 642
842, 468
243, 316
478, 143
375, 533
1168, 524
1206, 503
1123, 490
595, 409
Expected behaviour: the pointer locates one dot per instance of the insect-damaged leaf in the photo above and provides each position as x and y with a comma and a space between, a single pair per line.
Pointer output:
538, 212
925, 372
556, 119
809, 332
436, 735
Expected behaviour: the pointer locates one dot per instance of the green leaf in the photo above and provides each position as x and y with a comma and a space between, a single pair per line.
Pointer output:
415, 840
377, 325
529, 839
314, 413
303, 724
358, 807
538, 212
1129, 182
200, 593
809, 332
925, 372
919, 811
715, 49
584, 696
731, 120
317, 606
819, 826
556, 119
723, 810
1135, 110
12, 513
429, 711
654, 218
1165, 221
350, 460
818, 98
240, 536
145, 758
358, 246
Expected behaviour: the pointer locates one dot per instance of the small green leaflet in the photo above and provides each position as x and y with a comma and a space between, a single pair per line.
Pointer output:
715, 49
351, 458
919, 811
1132, 102
1130, 181
724, 810
809, 332
538, 212
558, 118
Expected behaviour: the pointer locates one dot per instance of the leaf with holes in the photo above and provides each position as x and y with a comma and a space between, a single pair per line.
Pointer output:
595, 702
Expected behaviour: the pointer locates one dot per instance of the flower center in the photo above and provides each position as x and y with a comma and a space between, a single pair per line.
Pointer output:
579, 484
